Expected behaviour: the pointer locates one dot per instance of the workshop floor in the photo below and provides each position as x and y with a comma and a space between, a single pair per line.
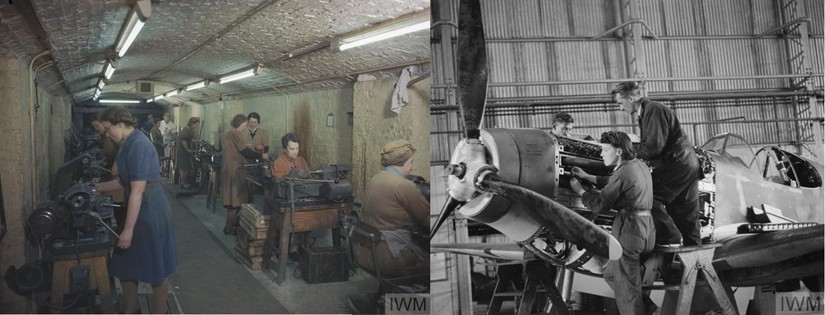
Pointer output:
210, 279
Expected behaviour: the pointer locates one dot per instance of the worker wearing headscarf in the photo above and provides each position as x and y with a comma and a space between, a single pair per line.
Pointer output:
395, 206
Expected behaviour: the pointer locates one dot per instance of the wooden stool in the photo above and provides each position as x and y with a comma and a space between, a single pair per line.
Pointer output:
98, 279
695, 260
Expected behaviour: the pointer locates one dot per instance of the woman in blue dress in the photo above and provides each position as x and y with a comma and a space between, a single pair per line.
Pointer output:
146, 249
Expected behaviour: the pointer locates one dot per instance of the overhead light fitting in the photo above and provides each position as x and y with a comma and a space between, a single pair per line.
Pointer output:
97, 94
170, 93
101, 84
196, 86
151, 99
240, 75
120, 101
414, 22
137, 18
110, 69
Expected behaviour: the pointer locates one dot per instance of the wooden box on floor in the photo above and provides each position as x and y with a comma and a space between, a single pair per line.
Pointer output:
255, 216
244, 243
251, 221
254, 262
324, 264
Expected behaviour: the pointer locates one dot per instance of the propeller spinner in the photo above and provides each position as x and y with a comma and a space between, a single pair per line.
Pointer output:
504, 177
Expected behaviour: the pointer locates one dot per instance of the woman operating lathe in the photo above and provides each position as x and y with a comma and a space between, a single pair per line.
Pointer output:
146, 248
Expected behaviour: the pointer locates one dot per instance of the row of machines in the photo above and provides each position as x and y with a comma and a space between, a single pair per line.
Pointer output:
74, 232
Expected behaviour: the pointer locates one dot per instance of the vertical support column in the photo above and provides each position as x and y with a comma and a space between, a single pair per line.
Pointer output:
465, 285
634, 50
448, 66
639, 63
807, 68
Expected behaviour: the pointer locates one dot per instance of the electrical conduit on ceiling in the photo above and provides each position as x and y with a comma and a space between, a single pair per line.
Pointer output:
32, 150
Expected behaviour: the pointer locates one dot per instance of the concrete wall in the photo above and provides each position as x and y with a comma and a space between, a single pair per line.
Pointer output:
375, 125
27, 166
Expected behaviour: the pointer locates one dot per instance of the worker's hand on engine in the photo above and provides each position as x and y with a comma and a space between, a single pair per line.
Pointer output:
576, 186
578, 172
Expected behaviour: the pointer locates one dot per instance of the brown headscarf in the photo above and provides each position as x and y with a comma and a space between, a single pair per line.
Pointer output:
396, 152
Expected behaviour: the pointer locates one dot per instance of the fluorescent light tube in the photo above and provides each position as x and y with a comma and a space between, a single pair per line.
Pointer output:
120, 101
170, 93
109, 70
101, 84
195, 86
403, 25
238, 76
130, 32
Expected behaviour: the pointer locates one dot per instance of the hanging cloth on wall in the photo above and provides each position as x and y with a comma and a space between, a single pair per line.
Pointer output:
399, 96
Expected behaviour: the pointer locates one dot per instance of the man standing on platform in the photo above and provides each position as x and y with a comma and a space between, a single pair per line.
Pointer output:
666, 147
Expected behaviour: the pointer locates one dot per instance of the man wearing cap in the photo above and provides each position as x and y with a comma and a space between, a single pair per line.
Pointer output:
290, 159
395, 206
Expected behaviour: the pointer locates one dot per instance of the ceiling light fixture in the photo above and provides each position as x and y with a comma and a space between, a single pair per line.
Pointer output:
414, 22
239, 75
110, 69
137, 18
170, 93
120, 101
101, 84
97, 94
195, 86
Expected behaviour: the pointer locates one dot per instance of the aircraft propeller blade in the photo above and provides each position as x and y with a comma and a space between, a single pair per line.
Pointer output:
561, 220
446, 211
472, 66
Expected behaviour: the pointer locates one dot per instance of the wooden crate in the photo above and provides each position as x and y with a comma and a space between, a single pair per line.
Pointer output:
254, 232
254, 216
249, 246
254, 262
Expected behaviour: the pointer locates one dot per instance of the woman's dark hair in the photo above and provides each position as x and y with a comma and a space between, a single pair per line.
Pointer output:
193, 120
625, 89
238, 120
620, 140
116, 115
253, 115
287, 138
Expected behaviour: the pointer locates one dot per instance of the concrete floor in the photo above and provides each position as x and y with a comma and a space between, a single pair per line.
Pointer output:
210, 279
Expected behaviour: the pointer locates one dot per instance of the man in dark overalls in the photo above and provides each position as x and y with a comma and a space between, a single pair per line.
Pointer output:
666, 147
